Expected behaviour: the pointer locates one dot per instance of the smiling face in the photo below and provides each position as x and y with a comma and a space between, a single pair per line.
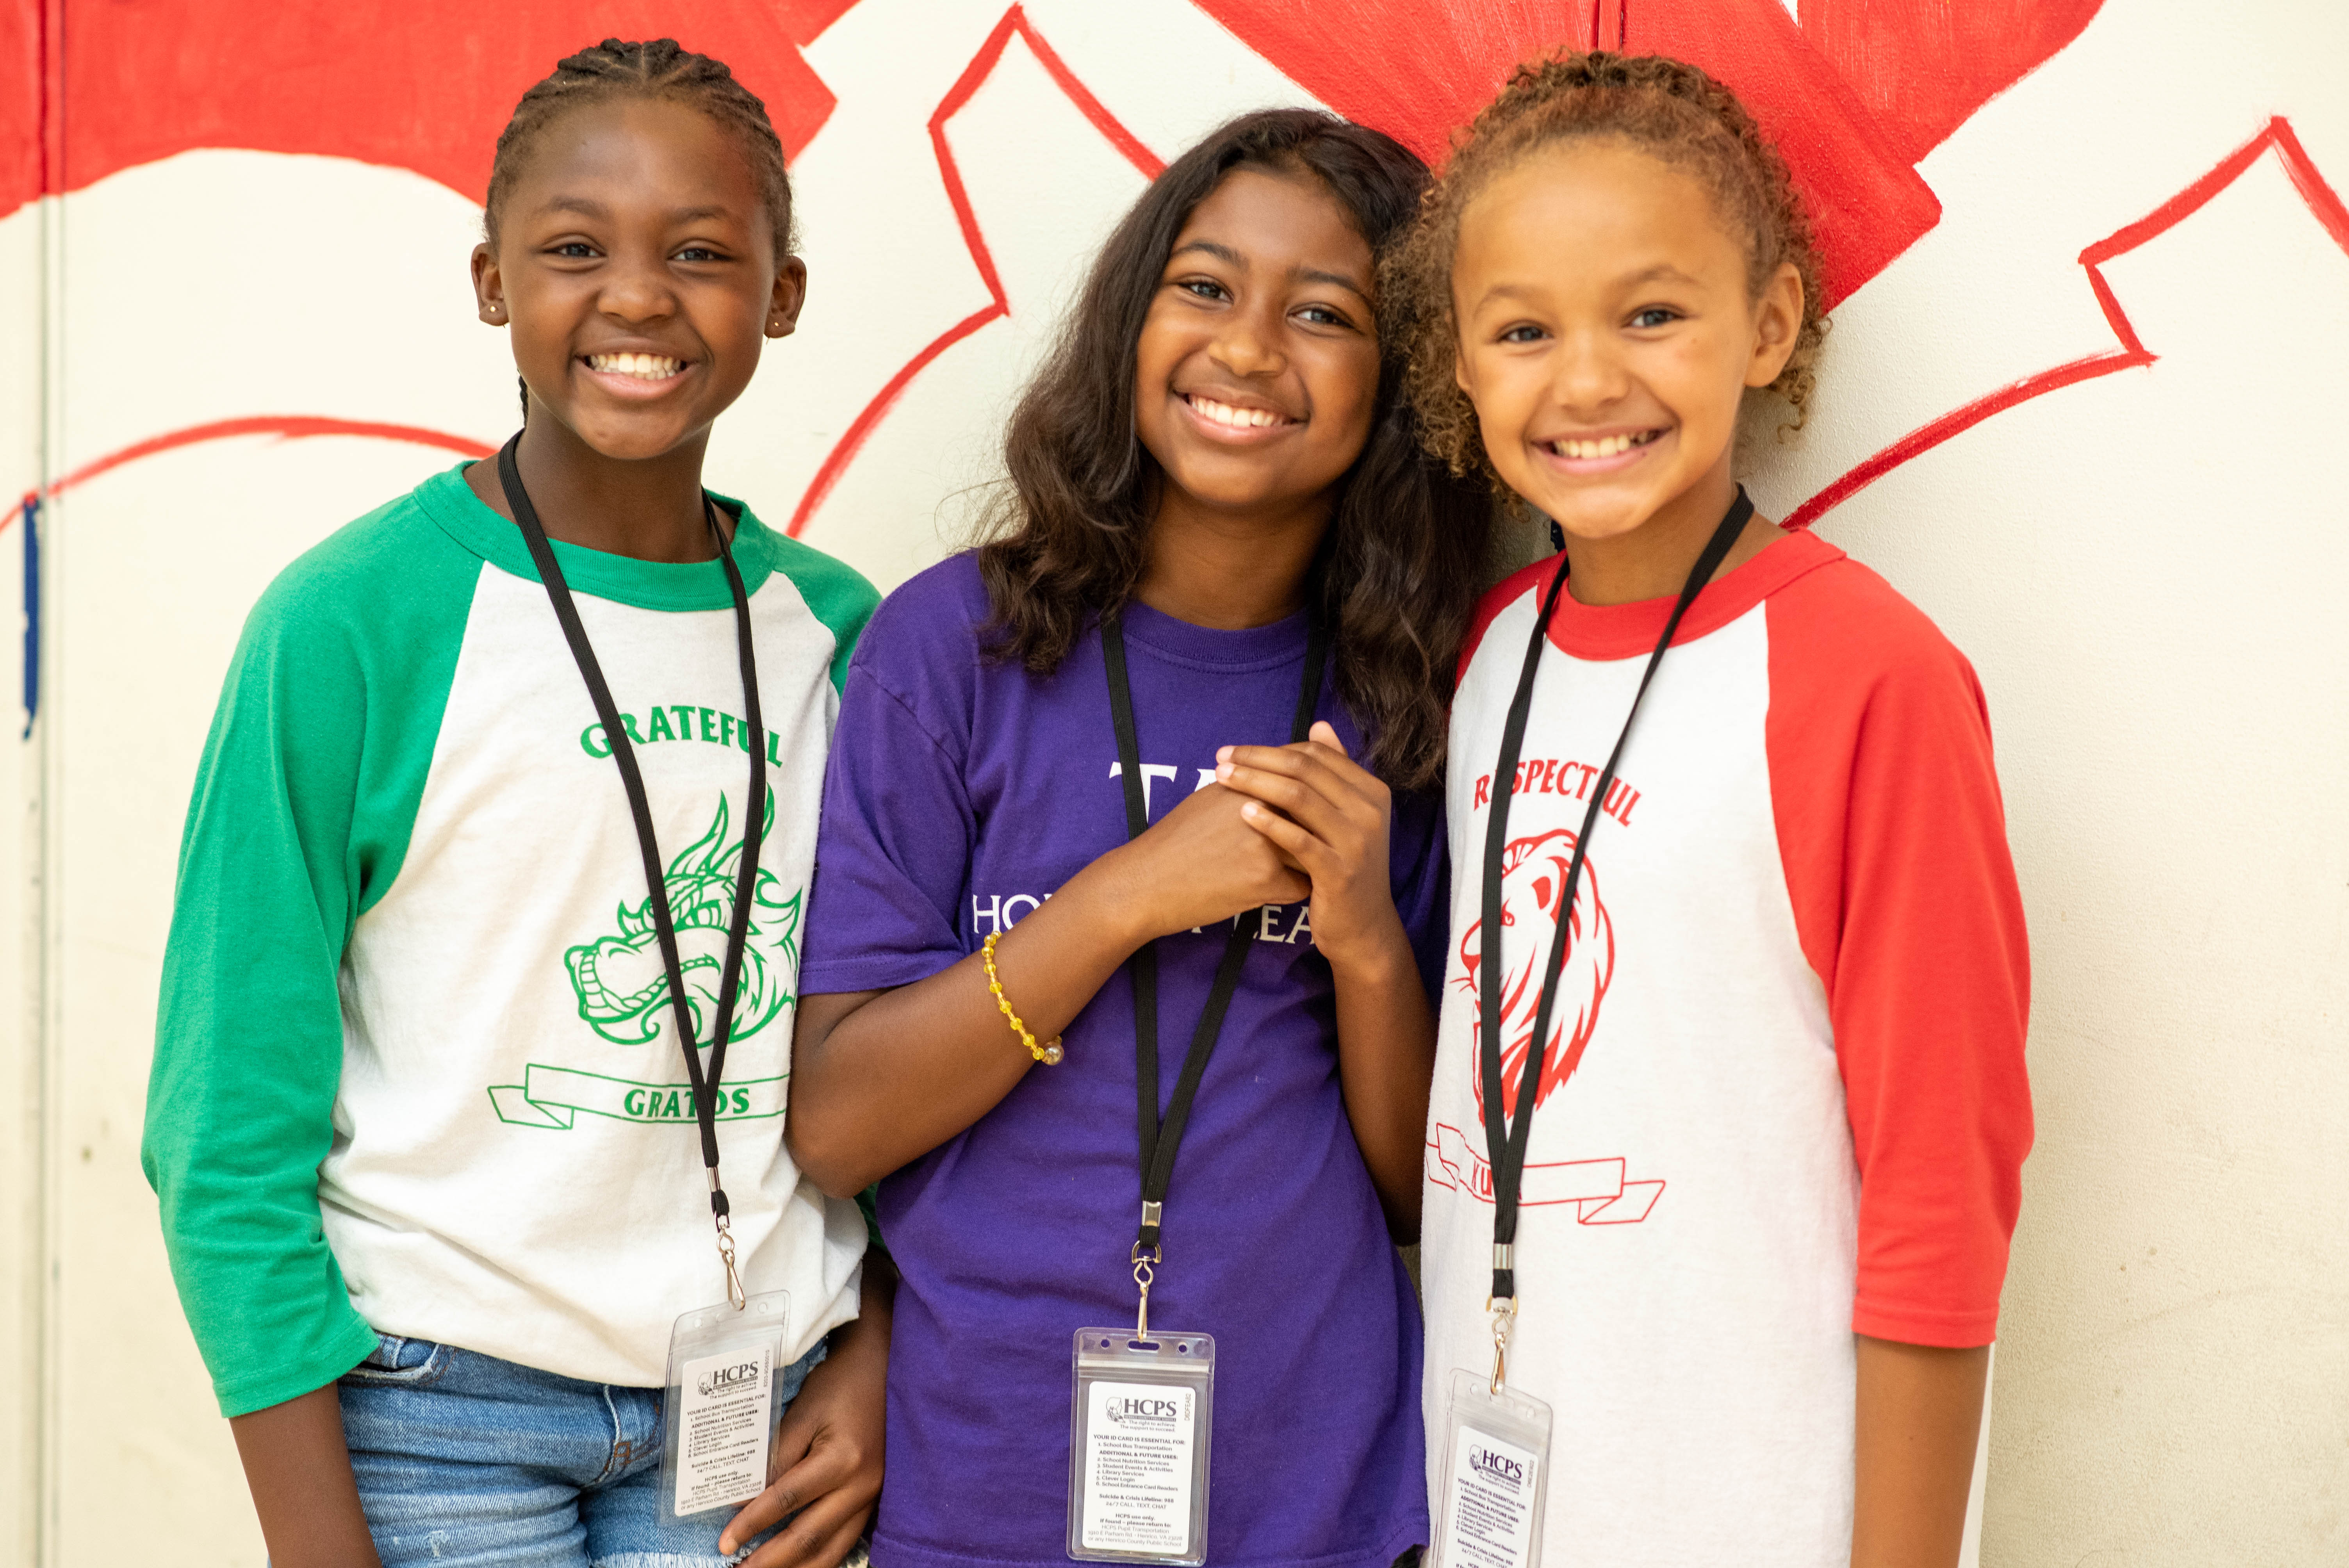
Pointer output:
637, 266
1608, 335
1257, 368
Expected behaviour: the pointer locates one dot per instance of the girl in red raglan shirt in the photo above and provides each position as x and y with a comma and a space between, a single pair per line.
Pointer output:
1762, 1205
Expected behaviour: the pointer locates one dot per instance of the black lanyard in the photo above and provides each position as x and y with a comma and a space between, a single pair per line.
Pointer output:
1161, 1138
1504, 1139
754, 820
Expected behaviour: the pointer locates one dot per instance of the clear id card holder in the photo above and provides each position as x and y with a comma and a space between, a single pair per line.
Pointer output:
1138, 1433
719, 1416
1495, 1480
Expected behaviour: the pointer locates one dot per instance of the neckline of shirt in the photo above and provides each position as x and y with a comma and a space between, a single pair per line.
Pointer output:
1241, 652
669, 585
1629, 631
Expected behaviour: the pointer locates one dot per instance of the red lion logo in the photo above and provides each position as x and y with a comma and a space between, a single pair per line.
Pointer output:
1533, 877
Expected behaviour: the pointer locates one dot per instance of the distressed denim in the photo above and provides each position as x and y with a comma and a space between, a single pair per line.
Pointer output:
467, 1461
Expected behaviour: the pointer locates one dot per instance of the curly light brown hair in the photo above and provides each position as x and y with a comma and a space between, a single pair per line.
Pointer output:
1666, 108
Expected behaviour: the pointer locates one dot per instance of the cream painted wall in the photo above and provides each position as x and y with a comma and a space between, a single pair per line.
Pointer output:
2143, 566
2147, 570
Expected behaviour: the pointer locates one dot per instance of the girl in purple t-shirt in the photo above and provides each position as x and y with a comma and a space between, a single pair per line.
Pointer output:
1216, 500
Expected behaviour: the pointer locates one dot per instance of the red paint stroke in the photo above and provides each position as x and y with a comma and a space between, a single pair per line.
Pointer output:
805, 20
288, 427
982, 65
25, 121
421, 85
2305, 179
1608, 22
1866, 204
1418, 68
1924, 67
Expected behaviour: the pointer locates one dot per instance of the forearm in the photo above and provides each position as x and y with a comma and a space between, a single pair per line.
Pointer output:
905, 1071
302, 1490
1918, 1418
1386, 1059
828, 1452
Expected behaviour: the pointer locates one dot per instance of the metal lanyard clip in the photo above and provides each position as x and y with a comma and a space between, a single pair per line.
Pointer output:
1143, 1276
1145, 1268
1505, 1318
735, 1295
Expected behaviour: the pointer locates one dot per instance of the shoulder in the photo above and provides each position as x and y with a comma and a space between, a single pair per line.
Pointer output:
1519, 584
934, 618
1838, 629
836, 592
922, 651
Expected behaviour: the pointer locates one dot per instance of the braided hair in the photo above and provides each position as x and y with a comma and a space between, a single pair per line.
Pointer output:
661, 69
1665, 108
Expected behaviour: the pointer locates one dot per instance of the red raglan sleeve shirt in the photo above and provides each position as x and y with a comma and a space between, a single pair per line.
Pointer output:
1893, 838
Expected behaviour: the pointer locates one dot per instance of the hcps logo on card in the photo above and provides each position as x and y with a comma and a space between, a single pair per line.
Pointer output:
1497, 1469
1157, 1413
731, 1379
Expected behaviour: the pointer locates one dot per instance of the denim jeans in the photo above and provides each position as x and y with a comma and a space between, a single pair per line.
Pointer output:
467, 1461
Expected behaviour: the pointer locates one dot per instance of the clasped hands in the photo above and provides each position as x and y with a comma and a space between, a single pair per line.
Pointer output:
1277, 824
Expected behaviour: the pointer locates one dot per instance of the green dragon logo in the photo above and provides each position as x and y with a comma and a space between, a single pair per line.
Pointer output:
622, 985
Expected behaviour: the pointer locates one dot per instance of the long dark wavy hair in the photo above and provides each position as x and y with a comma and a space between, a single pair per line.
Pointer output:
1398, 574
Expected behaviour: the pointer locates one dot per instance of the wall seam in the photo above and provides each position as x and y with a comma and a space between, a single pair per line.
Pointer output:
46, 1406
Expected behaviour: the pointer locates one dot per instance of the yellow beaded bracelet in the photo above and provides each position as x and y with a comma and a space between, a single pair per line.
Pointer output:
1049, 1053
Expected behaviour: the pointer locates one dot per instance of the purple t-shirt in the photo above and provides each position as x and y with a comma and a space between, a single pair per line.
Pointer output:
962, 792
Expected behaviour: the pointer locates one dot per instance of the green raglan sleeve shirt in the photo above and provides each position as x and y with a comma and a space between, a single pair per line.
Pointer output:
406, 1022
303, 804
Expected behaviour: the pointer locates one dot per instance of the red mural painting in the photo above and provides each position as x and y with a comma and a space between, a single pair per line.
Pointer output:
2323, 204
1854, 95
1420, 69
23, 100
1855, 91
411, 84
1923, 66
284, 427
1015, 23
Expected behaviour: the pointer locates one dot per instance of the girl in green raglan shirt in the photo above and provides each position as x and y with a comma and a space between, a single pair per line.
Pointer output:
430, 1170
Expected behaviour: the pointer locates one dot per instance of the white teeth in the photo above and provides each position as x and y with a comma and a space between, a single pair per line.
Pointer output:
1604, 447
1238, 419
643, 366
